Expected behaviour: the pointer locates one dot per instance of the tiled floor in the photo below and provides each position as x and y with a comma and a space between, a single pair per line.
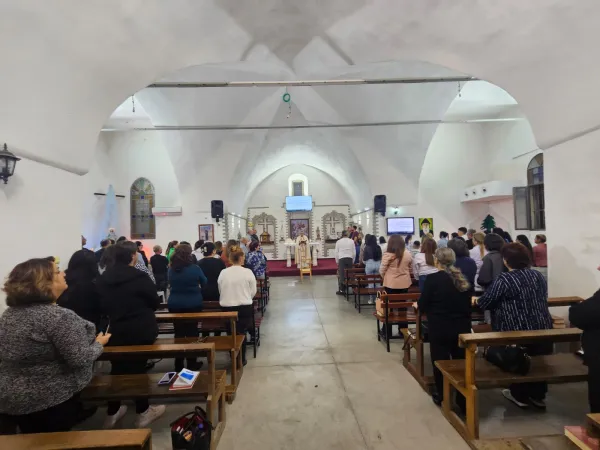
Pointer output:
322, 381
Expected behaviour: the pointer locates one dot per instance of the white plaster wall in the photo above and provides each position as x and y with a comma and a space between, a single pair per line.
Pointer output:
41, 216
573, 216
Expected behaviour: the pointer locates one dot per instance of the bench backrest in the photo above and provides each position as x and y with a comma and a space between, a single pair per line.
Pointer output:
215, 315
520, 337
72, 440
391, 301
563, 301
158, 351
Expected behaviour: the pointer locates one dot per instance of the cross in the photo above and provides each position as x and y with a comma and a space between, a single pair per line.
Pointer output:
265, 224
332, 221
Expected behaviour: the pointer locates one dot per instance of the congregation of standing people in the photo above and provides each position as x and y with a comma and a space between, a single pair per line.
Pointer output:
504, 278
57, 323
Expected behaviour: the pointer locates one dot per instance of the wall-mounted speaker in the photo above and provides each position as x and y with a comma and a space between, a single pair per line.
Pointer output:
380, 203
216, 209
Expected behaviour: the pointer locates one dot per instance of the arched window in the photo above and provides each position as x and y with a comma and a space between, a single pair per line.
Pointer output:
529, 200
143, 225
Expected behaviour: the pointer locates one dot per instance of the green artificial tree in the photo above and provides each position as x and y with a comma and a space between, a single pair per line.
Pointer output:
489, 223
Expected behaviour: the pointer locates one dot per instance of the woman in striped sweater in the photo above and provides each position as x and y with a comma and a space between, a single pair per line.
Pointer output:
518, 301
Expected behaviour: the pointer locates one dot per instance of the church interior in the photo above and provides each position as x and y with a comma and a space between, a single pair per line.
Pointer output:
206, 119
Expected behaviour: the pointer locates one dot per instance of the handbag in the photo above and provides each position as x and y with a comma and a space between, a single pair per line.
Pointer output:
509, 358
378, 304
192, 431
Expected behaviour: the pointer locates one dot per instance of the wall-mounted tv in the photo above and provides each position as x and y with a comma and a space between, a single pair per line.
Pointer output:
299, 203
400, 225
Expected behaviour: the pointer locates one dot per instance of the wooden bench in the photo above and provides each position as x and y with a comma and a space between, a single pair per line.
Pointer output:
231, 343
209, 385
393, 309
80, 440
361, 287
470, 375
416, 339
349, 278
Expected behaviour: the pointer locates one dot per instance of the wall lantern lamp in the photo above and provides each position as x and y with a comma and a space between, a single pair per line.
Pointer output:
8, 161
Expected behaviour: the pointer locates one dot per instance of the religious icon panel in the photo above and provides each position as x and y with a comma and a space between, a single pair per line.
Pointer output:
206, 232
425, 226
298, 226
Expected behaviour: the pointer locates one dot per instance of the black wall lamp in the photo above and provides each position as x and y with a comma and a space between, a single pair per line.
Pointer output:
8, 161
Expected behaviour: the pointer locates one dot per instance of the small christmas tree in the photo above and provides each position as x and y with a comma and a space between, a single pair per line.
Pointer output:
489, 223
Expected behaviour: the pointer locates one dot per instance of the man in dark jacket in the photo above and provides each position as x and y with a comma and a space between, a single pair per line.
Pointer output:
586, 315
128, 297
493, 265
103, 244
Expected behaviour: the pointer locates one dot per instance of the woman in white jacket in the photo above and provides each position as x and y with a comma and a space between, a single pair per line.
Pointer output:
237, 288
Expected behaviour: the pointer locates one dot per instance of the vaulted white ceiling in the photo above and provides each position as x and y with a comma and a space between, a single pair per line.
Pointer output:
68, 64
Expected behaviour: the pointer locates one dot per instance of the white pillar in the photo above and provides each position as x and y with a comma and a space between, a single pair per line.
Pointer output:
288, 253
315, 250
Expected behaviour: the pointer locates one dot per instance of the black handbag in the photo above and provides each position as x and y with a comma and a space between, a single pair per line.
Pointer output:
509, 358
192, 431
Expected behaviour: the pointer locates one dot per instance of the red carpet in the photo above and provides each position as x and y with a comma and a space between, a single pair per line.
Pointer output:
327, 266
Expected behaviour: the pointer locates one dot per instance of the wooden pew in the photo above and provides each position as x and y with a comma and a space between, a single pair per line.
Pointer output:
349, 278
210, 384
80, 440
472, 374
394, 309
231, 343
415, 339
361, 288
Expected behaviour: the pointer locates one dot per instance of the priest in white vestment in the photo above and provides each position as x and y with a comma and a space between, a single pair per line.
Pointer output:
302, 251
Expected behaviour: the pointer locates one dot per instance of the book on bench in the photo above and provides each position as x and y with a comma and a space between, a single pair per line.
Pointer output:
185, 380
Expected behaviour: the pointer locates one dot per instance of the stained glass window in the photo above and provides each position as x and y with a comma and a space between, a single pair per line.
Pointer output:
142, 201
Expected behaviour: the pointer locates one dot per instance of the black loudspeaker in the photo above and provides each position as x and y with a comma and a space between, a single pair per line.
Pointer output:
216, 209
379, 203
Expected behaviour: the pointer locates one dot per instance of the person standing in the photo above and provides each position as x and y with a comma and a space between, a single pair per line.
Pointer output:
586, 315
446, 300
518, 301
237, 286
129, 298
382, 244
372, 258
443, 241
103, 244
185, 279
463, 261
198, 254
477, 253
140, 249
212, 266
470, 233
256, 261
395, 266
540, 251
492, 265
160, 268
345, 252
424, 262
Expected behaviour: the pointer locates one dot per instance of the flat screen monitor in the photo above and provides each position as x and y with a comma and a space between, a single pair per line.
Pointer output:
400, 225
299, 203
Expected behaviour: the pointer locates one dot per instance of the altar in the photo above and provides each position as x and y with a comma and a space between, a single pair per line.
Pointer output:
290, 247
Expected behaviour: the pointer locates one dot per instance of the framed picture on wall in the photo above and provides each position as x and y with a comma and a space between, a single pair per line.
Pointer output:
206, 232
425, 226
297, 226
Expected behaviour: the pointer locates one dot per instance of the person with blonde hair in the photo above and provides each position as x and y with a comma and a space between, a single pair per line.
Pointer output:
446, 299
477, 253
47, 352
225, 255
237, 288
